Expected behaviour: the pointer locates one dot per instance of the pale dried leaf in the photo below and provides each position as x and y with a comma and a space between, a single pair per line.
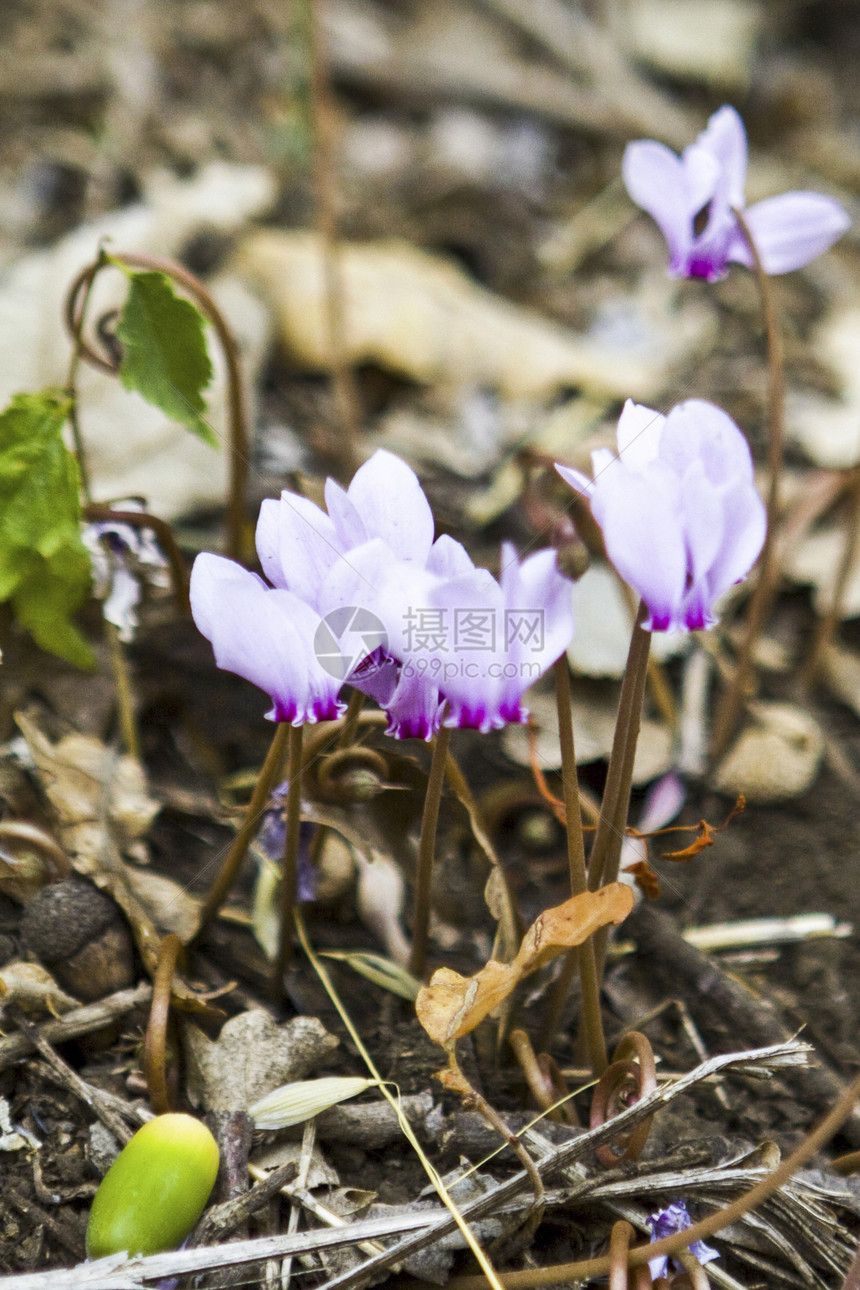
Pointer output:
294, 1103
251, 1056
170, 906
775, 758
713, 41
86, 782
594, 710
828, 430
840, 671
419, 315
452, 1005
32, 988
816, 560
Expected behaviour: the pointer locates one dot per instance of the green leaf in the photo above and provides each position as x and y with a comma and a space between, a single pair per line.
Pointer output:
44, 565
164, 350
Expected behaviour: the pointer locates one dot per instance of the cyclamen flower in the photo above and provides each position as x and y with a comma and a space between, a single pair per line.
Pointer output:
494, 639
680, 515
708, 181
266, 635
675, 1218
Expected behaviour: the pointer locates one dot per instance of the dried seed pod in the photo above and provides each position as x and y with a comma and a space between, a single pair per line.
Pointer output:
77, 931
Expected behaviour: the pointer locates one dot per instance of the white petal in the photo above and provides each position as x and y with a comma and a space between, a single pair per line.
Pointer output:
792, 229
656, 181
269, 542
392, 505
639, 433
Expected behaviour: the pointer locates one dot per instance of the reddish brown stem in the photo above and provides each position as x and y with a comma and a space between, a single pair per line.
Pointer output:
161, 1075
764, 591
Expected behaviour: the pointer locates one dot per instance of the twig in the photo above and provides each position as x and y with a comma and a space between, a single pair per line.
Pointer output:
78, 1022
112, 1111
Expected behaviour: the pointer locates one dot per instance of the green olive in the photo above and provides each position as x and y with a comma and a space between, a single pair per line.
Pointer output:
155, 1190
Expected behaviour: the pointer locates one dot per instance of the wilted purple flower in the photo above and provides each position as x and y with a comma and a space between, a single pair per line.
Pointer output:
271, 837
707, 181
267, 636
494, 639
123, 558
680, 515
666, 1223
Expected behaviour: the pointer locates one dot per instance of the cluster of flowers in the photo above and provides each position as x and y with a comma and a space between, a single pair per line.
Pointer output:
362, 594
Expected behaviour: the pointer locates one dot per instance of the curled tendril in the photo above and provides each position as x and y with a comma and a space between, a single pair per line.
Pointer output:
348, 774
162, 1073
631, 1075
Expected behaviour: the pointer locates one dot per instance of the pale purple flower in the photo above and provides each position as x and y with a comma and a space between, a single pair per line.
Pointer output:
666, 1222
708, 181
680, 515
494, 639
298, 543
266, 635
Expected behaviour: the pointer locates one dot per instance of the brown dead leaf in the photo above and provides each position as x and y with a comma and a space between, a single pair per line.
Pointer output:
452, 1005
101, 805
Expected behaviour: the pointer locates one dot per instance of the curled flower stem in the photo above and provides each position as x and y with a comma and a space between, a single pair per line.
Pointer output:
426, 851
706, 1227
581, 955
540, 1086
83, 290
762, 596
290, 863
624, 1082
161, 1076
238, 534
619, 1244
236, 854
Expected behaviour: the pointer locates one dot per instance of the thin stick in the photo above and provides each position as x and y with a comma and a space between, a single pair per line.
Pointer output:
762, 597
581, 954
290, 863
236, 854
701, 1231
426, 852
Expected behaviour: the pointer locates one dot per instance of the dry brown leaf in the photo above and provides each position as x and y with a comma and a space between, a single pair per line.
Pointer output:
419, 315
452, 1005
101, 805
